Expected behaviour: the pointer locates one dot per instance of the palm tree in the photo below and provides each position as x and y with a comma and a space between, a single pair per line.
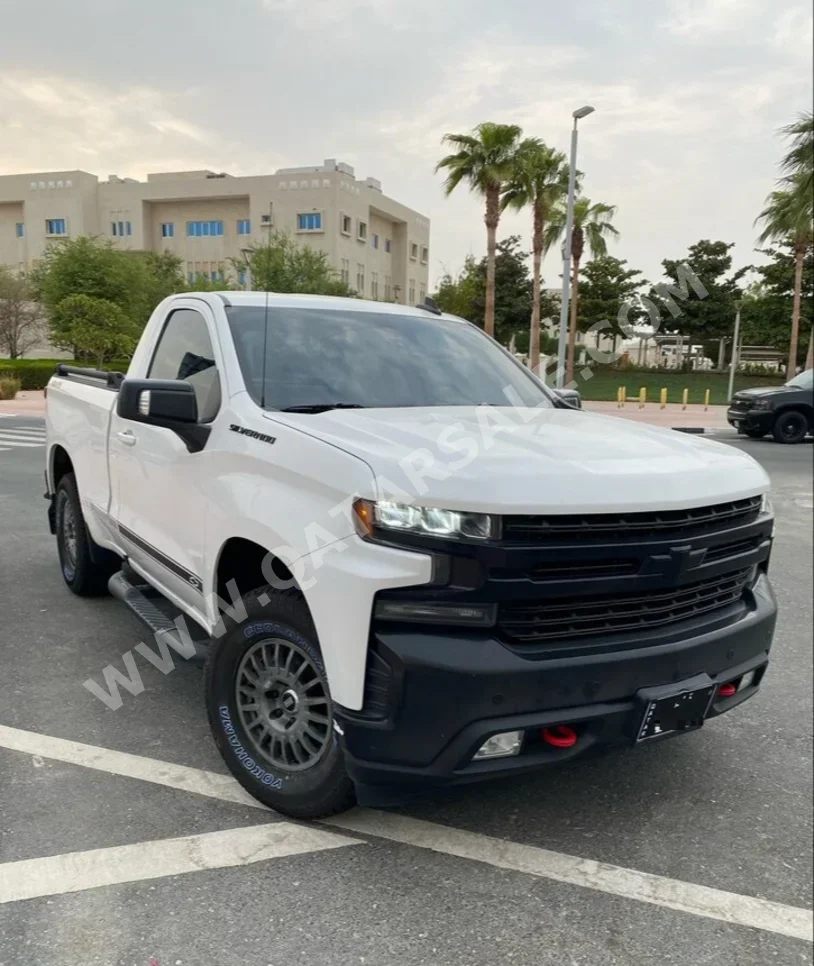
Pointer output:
484, 160
539, 181
592, 224
787, 216
799, 159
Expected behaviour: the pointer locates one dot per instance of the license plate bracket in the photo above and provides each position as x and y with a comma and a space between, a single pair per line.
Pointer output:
674, 709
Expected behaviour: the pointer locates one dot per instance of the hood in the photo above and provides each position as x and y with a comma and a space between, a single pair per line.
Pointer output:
762, 391
490, 459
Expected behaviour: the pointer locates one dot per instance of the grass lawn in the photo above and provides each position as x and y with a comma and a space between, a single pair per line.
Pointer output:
604, 384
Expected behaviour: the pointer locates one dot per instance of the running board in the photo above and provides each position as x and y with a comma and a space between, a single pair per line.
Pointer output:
161, 626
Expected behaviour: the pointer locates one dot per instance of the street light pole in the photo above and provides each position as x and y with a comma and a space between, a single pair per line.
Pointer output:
733, 364
566, 254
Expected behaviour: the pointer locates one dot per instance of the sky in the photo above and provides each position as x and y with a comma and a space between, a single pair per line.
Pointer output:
689, 95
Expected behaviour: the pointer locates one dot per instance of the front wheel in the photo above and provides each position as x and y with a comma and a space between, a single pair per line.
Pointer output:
270, 709
790, 427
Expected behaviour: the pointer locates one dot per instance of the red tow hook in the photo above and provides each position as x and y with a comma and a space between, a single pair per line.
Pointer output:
727, 690
560, 736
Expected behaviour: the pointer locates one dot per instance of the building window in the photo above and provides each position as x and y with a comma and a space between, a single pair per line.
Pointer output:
167, 229
411, 292
20, 229
345, 272
374, 241
361, 234
374, 285
345, 224
244, 226
121, 228
199, 229
312, 221
388, 288
425, 255
413, 251
56, 226
422, 294
360, 279
265, 219
388, 245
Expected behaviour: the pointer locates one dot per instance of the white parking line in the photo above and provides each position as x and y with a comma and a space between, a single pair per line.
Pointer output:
76, 871
656, 890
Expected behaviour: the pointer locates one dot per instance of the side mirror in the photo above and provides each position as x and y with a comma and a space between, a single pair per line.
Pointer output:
168, 403
570, 397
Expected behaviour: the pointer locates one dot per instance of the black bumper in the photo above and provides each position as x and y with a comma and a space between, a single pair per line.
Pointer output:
753, 419
441, 694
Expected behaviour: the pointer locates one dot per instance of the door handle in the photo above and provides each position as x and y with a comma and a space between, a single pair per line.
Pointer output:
127, 438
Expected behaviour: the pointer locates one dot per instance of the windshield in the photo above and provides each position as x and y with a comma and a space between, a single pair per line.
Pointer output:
325, 357
804, 380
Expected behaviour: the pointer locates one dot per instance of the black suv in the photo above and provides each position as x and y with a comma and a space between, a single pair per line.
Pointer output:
787, 412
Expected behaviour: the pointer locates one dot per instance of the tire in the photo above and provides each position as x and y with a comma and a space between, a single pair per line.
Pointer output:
790, 426
86, 567
283, 751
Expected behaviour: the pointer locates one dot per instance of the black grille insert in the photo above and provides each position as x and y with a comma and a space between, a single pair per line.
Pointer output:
625, 527
566, 618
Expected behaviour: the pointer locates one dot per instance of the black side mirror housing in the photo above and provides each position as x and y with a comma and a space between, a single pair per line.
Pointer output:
168, 403
569, 397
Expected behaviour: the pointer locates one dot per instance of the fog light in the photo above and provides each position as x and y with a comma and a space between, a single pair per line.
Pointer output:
431, 612
747, 680
504, 745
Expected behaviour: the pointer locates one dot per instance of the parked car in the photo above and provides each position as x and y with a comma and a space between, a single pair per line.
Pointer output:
411, 564
787, 412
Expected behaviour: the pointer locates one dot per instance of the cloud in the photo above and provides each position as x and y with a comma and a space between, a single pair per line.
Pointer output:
84, 124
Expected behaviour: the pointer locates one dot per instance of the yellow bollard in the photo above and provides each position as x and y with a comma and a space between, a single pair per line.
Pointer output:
684, 398
642, 397
706, 400
618, 397
624, 396
663, 399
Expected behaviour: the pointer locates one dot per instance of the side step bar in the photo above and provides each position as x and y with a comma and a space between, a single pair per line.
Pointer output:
183, 635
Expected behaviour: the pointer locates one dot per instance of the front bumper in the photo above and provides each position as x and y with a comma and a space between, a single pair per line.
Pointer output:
752, 419
440, 694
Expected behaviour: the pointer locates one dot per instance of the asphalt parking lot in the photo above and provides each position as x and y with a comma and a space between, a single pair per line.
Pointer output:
124, 843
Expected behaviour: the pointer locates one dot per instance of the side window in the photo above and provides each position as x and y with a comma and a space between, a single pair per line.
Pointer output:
184, 351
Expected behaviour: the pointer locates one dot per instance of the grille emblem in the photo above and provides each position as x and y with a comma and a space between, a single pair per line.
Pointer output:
675, 565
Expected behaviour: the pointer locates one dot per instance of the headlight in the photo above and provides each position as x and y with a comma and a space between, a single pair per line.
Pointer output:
427, 521
762, 403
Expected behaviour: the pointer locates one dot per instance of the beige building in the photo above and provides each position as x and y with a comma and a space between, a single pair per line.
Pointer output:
379, 247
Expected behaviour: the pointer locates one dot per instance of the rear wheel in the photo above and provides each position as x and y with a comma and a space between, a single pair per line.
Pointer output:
86, 567
790, 426
270, 709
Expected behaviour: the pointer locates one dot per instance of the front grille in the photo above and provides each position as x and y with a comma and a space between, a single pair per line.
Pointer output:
574, 617
628, 527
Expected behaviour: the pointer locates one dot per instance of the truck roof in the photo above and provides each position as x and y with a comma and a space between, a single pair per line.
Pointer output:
333, 302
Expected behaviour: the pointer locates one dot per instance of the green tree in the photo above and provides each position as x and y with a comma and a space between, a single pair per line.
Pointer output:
282, 265
798, 162
787, 217
706, 311
95, 327
21, 318
592, 226
609, 293
768, 303
457, 294
539, 181
484, 160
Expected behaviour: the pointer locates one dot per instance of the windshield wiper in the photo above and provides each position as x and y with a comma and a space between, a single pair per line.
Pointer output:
321, 407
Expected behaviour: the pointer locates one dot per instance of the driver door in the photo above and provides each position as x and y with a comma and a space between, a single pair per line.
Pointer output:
158, 497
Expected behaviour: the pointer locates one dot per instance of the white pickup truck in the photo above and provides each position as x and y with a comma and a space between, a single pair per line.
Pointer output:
412, 563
